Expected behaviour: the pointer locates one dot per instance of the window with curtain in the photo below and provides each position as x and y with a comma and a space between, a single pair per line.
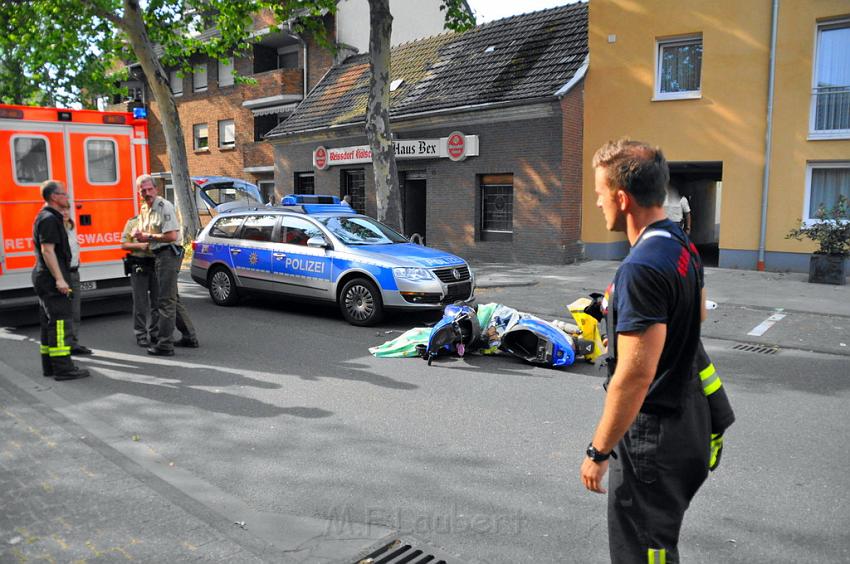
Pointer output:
226, 133
225, 72
826, 183
176, 82
201, 136
831, 93
679, 67
199, 78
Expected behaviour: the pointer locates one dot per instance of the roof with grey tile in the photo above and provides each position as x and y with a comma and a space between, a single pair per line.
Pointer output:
524, 57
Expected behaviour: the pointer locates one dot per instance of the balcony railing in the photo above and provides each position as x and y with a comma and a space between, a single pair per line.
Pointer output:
831, 109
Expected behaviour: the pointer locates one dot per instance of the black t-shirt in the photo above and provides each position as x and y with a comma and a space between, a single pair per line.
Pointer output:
660, 282
49, 228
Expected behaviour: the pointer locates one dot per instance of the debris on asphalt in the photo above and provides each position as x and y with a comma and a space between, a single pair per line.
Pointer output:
241, 524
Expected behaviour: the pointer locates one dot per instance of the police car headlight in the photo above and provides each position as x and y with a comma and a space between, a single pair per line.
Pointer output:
413, 274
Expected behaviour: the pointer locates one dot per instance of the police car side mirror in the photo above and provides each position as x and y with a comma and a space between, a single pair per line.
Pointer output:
317, 242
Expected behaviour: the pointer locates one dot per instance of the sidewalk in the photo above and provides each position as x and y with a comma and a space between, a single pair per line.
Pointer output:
816, 316
64, 501
69, 495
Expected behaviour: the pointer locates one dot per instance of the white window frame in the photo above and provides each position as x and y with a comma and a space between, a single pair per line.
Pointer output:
814, 134
117, 161
196, 86
807, 199
196, 137
175, 78
221, 144
667, 41
14, 160
227, 72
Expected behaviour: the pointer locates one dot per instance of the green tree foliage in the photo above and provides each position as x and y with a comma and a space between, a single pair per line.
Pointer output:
63, 51
50, 54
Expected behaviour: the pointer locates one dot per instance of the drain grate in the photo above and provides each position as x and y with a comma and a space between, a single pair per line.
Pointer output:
407, 550
759, 349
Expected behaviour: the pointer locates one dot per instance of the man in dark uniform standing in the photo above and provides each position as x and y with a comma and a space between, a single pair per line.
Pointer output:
655, 424
50, 279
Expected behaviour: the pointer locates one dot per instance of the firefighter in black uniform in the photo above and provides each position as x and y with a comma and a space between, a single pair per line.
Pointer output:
655, 426
50, 279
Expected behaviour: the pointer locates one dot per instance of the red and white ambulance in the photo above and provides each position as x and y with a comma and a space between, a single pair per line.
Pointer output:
97, 155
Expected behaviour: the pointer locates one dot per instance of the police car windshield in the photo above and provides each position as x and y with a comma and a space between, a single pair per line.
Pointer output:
359, 230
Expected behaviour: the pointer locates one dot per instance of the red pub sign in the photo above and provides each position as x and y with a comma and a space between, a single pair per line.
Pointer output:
455, 147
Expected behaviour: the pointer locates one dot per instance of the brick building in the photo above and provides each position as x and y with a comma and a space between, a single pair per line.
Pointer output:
488, 128
223, 122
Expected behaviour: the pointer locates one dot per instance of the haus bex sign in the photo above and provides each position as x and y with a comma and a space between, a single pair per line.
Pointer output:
455, 147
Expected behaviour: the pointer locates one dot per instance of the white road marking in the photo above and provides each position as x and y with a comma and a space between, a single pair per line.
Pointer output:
6, 334
762, 327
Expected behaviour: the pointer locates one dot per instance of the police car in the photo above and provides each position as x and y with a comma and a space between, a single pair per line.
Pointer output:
315, 247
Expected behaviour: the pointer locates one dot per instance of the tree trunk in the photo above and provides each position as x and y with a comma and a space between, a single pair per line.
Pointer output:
378, 115
158, 81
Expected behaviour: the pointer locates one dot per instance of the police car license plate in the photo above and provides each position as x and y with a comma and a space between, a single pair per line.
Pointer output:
88, 285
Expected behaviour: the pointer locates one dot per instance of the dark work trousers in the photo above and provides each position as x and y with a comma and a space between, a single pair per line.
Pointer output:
171, 310
145, 312
54, 314
662, 461
76, 308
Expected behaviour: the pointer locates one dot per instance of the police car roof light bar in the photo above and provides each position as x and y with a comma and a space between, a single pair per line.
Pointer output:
328, 208
298, 199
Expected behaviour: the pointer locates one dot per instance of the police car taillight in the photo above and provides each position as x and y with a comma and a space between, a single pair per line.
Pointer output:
194, 246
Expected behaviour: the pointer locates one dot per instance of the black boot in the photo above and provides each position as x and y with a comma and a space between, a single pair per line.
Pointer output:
46, 366
64, 369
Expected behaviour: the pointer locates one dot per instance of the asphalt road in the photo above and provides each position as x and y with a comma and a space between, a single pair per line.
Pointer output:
283, 409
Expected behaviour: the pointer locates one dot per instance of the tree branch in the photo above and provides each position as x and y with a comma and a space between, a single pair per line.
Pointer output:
105, 14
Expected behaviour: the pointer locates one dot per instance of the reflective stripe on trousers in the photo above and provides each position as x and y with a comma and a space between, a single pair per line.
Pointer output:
656, 556
60, 349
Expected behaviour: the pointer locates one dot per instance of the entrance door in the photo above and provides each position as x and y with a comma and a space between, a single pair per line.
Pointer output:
103, 171
414, 205
701, 183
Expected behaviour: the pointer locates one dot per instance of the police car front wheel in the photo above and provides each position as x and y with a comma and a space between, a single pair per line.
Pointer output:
360, 302
223, 287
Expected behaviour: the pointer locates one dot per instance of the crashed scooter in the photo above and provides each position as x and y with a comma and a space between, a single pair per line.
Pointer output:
538, 342
457, 331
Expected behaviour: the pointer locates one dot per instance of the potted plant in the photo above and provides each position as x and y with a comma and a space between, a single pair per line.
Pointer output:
831, 231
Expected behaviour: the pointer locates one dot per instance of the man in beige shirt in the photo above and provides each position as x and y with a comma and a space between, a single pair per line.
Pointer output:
159, 227
141, 265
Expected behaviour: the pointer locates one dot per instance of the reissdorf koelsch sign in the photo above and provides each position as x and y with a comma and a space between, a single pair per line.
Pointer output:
320, 158
455, 147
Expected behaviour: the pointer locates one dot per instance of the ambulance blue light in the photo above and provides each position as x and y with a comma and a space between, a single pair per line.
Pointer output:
140, 113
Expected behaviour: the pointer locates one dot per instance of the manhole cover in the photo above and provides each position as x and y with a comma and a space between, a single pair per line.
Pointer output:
407, 550
759, 349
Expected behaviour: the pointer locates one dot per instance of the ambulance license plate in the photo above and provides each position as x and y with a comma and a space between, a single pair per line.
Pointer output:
88, 285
